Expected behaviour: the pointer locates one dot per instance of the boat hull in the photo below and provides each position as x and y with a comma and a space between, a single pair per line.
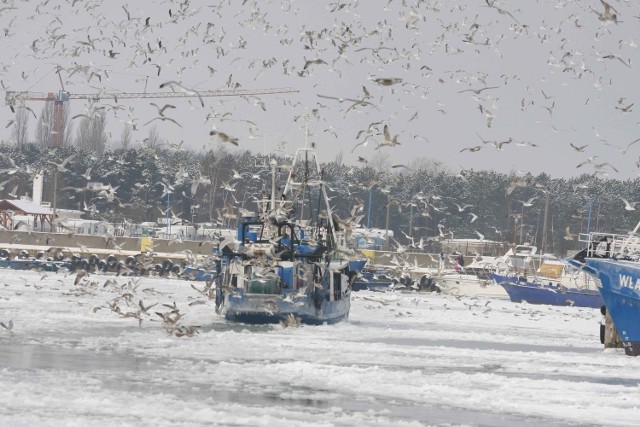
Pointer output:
372, 285
31, 264
535, 293
310, 309
620, 289
372, 279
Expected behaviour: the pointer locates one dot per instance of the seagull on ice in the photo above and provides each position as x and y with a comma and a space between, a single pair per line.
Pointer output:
8, 326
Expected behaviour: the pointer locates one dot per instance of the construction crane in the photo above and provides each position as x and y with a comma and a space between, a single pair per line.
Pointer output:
18, 97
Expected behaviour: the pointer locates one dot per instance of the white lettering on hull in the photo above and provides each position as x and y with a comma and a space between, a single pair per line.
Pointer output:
627, 281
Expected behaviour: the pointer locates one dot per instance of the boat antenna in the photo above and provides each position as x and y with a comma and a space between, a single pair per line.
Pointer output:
274, 166
319, 201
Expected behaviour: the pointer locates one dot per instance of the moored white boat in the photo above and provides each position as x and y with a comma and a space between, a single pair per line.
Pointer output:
472, 280
469, 285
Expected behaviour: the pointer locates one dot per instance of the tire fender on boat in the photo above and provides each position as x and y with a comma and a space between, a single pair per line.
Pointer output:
112, 261
167, 265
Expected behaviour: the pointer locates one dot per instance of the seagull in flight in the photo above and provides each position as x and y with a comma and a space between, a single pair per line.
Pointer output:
177, 87
161, 109
462, 208
568, 235
62, 166
579, 149
528, 202
477, 91
629, 206
163, 118
387, 138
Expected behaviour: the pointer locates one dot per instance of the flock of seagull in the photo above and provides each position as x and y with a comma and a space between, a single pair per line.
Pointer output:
380, 80
383, 77
123, 292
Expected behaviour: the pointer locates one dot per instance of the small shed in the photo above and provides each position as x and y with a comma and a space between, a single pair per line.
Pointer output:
10, 208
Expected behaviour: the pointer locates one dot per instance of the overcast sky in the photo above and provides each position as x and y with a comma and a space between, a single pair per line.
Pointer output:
556, 73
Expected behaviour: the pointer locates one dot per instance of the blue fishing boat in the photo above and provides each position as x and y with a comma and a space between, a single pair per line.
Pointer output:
30, 263
620, 288
519, 290
282, 267
614, 260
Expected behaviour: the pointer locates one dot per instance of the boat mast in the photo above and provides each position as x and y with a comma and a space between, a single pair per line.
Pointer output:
306, 171
589, 222
544, 223
274, 166
311, 156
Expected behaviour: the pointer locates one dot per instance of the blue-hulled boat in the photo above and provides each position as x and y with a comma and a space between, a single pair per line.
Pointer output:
620, 288
281, 267
519, 290
32, 264
614, 260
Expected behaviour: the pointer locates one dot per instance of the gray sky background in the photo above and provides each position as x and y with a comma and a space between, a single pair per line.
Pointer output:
561, 75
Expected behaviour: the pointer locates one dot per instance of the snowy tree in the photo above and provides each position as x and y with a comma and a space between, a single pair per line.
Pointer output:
67, 126
19, 133
154, 140
91, 134
44, 129
125, 137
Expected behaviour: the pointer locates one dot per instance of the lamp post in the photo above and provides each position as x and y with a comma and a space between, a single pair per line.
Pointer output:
521, 222
55, 199
369, 208
390, 200
412, 203
168, 209
386, 225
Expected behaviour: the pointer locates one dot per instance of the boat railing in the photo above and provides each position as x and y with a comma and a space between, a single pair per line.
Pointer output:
610, 245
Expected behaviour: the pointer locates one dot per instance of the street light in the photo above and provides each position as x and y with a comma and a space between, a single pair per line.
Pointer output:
412, 203
386, 225
168, 213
